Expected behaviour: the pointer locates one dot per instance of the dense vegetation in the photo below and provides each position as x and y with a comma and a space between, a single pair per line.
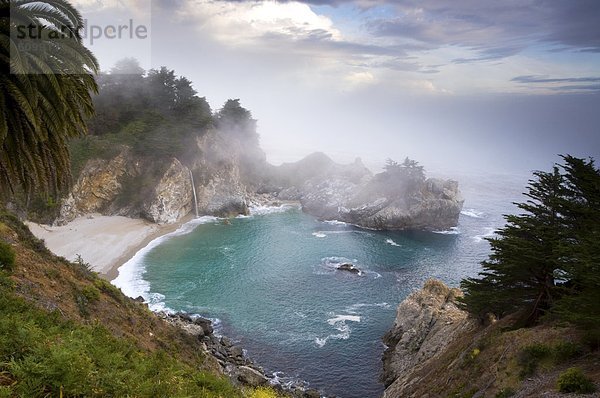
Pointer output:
546, 261
156, 113
45, 87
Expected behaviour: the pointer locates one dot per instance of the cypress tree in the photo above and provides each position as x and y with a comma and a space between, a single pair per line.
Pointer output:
520, 273
546, 260
580, 248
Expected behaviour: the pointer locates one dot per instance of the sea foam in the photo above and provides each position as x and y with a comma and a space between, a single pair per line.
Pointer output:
339, 323
451, 231
260, 210
472, 213
489, 232
391, 242
131, 274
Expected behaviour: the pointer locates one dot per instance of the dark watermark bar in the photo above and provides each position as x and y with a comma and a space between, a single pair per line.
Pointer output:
109, 30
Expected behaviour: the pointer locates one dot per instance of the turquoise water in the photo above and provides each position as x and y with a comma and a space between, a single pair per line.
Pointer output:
270, 282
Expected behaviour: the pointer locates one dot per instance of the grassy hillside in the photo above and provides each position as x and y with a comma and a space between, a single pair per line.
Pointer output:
500, 361
66, 332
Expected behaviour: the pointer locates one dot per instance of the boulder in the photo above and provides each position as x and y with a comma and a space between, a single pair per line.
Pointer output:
205, 324
251, 377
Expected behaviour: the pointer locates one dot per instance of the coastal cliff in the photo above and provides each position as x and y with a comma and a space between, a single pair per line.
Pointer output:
229, 175
426, 323
435, 349
161, 190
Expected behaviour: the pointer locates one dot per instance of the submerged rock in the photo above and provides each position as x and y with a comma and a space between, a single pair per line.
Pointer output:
349, 268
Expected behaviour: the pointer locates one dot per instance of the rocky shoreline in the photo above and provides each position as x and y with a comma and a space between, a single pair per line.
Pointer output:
232, 358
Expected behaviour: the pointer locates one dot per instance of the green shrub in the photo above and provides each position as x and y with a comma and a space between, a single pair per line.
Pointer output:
530, 357
109, 289
591, 339
91, 293
7, 257
566, 350
263, 392
505, 393
574, 380
83, 269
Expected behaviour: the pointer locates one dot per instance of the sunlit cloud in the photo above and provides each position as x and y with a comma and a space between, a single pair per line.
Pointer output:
249, 23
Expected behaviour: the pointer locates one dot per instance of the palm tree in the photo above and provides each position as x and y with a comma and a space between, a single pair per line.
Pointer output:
46, 82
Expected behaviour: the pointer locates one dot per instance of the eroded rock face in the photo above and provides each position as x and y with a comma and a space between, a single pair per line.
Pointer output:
160, 190
97, 187
220, 188
173, 195
125, 186
426, 322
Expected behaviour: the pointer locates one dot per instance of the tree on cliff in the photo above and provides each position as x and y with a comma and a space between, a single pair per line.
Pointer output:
580, 250
545, 260
408, 175
44, 92
234, 119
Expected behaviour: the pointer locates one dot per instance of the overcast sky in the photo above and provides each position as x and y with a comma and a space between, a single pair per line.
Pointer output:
465, 84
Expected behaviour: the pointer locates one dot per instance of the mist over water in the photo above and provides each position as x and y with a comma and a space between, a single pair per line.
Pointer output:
271, 283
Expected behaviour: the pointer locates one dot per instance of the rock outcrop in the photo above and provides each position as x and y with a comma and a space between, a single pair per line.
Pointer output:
129, 185
220, 187
426, 323
232, 359
173, 196
386, 201
97, 187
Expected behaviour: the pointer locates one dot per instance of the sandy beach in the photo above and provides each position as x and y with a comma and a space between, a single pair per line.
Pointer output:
105, 242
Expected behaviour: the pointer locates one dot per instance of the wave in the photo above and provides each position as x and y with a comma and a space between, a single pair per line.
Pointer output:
260, 210
391, 242
339, 323
335, 222
353, 309
451, 231
489, 232
472, 213
322, 234
130, 278
288, 382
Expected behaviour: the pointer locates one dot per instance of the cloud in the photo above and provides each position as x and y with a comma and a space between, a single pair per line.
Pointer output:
560, 84
494, 30
244, 23
545, 79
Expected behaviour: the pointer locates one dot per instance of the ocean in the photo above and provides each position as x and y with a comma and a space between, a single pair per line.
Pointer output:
269, 281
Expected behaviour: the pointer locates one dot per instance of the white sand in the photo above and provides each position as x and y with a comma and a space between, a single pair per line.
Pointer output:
105, 242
